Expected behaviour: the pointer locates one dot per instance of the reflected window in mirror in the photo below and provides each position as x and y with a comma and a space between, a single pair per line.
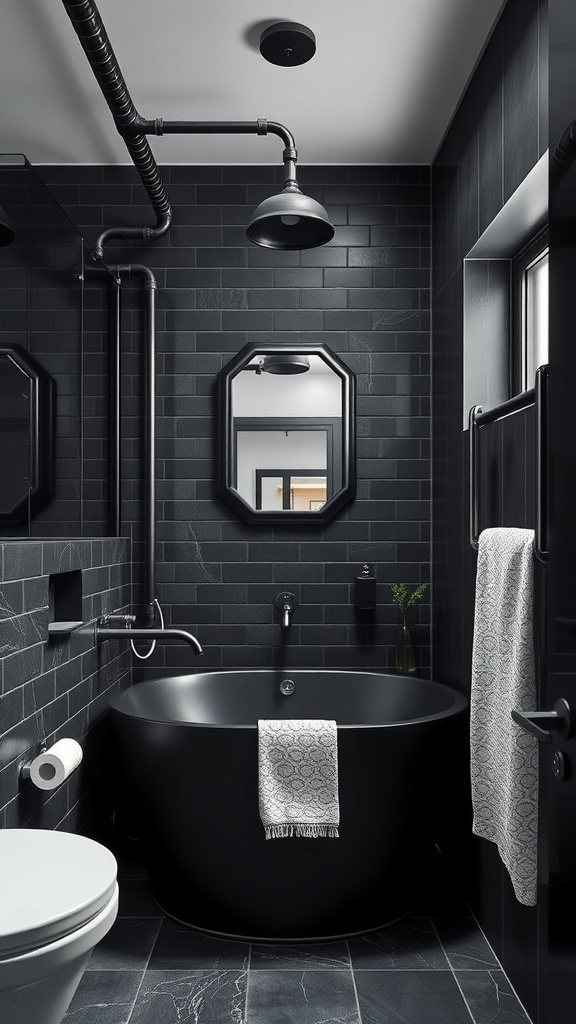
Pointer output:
286, 433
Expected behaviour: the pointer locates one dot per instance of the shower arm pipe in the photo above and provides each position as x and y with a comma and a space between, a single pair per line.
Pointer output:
150, 285
93, 37
159, 126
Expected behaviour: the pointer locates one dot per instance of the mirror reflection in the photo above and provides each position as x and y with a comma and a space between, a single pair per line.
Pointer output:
286, 420
287, 415
27, 403
14, 439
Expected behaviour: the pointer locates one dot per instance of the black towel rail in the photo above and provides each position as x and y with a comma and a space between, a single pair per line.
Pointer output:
535, 396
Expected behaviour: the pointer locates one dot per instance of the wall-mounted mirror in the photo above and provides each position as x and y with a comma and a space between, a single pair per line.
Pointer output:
27, 409
286, 433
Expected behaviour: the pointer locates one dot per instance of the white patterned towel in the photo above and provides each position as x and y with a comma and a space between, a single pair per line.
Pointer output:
298, 778
504, 758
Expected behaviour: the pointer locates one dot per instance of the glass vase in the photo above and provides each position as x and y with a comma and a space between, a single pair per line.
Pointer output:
405, 655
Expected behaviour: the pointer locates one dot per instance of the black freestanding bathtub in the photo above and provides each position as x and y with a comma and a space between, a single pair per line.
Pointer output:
189, 744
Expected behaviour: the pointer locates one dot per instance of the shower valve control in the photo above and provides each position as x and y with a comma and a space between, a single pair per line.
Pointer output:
287, 687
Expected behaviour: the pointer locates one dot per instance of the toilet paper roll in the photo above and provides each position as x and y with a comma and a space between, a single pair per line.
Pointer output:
53, 767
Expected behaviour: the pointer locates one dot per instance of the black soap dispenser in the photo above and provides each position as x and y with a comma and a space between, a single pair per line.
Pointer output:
365, 590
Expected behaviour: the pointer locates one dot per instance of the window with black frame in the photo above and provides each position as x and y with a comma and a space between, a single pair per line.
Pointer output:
530, 283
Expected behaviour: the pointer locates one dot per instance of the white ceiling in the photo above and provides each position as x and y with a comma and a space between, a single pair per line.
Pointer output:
382, 87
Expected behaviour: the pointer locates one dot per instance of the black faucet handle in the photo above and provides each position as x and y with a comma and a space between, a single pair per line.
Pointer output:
286, 604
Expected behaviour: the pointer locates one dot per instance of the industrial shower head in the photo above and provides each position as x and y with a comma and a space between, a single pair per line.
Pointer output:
290, 220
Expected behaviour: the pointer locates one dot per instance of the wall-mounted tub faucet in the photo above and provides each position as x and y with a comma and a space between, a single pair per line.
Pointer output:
285, 604
103, 632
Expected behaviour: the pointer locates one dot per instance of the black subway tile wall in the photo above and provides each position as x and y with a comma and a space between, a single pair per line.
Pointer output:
497, 135
365, 295
59, 686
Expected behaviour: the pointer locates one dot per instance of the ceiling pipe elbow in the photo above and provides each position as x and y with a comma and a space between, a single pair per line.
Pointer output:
147, 232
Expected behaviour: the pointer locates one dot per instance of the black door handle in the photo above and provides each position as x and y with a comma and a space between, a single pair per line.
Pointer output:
539, 723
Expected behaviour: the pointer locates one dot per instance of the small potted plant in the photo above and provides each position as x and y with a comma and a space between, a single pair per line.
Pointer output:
405, 655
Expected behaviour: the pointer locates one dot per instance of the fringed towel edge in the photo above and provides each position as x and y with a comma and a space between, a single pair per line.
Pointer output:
301, 831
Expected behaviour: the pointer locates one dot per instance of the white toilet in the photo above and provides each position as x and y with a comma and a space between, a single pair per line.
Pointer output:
58, 898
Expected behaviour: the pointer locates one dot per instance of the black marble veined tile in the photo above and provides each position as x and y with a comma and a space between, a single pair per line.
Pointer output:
490, 998
327, 956
409, 997
180, 948
204, 997
127, 946
464, 944
301, 997
409, 945
104, 997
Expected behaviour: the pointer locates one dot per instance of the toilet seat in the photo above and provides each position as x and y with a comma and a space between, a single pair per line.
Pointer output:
51, 884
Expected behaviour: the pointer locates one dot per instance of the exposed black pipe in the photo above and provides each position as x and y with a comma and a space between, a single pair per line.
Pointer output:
133, 128
260, 127
90, 30
114, 379
150, 285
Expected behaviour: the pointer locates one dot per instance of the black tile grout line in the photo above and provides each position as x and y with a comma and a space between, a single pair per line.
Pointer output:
144, 973
466, 1004
353, 975
248, 968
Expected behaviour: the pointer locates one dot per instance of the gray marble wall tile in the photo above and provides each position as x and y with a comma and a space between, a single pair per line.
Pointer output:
53, 688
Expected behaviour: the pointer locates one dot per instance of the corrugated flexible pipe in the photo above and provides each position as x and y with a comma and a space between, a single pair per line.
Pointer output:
90, 30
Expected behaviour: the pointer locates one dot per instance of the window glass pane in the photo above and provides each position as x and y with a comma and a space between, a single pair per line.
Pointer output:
536, 298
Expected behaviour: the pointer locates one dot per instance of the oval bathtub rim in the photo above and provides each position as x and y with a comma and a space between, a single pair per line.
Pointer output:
459, 706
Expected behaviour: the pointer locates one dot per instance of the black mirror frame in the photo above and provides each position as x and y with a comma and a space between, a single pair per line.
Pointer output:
226, 436
42, 434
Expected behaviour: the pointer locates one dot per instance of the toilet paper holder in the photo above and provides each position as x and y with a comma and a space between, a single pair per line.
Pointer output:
52, 765
25, 766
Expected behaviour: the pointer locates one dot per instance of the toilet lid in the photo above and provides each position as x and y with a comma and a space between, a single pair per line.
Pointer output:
51, 883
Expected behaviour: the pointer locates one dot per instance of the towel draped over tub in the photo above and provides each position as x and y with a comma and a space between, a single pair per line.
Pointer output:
298, 778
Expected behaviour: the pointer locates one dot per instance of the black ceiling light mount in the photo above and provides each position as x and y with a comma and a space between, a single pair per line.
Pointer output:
288, 44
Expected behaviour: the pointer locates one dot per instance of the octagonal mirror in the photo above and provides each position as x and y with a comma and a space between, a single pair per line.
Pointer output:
286, 433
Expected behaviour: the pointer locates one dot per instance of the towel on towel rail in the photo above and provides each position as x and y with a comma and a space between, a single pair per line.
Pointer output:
504, 758
298, 778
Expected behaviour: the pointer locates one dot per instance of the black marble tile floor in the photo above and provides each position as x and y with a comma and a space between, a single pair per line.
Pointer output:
430, 968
